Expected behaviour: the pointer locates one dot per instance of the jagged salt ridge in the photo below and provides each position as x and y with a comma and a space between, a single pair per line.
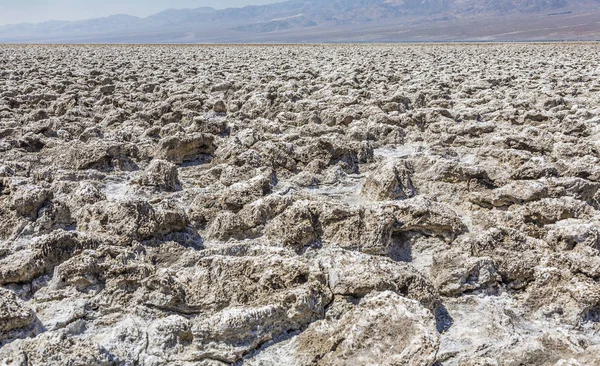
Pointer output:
300, 205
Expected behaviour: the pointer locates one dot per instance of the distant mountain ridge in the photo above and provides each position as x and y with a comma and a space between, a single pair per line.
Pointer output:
328, 21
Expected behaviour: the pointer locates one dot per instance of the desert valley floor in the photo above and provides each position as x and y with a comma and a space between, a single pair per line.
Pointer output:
300, 205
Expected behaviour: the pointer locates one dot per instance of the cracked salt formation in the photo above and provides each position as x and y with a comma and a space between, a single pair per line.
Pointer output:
300, 205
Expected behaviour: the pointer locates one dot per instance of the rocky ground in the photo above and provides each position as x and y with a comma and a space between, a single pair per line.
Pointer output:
300, 205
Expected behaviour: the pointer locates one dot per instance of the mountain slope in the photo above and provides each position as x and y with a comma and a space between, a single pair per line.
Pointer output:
289, 21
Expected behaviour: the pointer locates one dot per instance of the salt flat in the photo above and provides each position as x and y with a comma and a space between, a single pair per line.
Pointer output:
300, 205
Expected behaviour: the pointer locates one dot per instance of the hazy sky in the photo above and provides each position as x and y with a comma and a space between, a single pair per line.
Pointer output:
34, 11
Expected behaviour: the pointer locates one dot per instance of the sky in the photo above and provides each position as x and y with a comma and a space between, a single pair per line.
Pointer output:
35, 11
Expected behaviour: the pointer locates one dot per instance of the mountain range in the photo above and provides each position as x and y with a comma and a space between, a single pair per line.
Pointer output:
300, 21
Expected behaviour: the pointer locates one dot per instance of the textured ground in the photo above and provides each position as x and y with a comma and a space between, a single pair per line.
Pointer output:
300, 205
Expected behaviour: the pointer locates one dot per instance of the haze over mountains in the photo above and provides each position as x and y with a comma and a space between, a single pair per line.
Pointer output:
334, 21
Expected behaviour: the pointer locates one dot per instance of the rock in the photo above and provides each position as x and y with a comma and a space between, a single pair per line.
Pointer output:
567, 234
296, 227
133, 219
552, 210
6, 171
180, 148
357, 275
99, 156
14, 315
162, 175
237, 195
31, 142
455, 275
517, 192
428, 217
391, 181
535, 170
269, 296
452, 172
42, 256
384, 326
28, 200
577, 188
57, 348
220, 107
